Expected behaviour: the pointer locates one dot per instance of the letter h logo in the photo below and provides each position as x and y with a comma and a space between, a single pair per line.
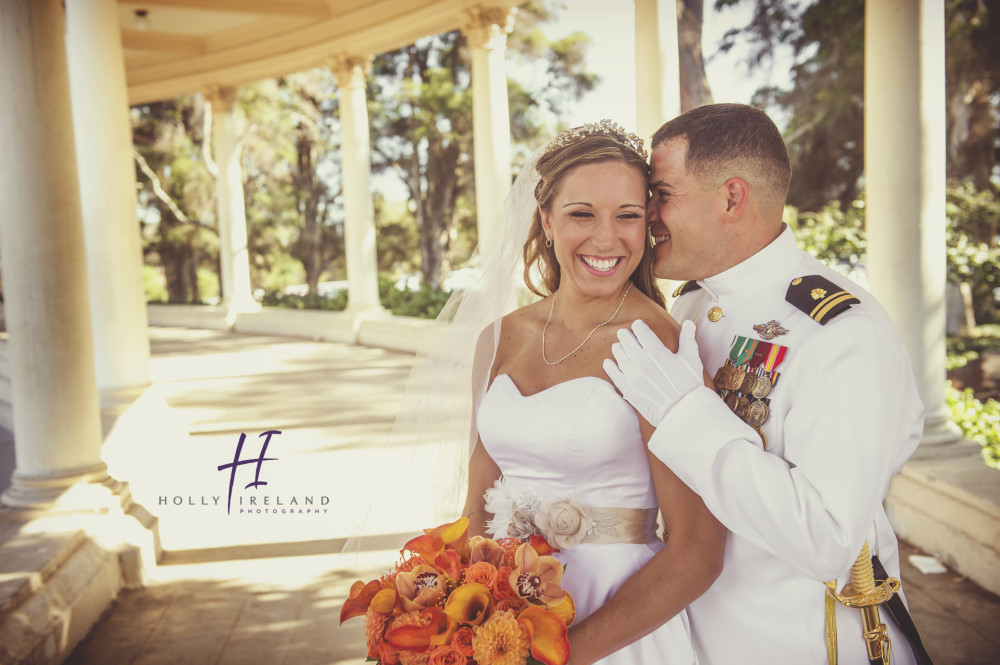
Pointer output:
258, 461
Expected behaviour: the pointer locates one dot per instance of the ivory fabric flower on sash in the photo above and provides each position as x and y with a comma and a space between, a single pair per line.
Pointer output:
511, 518
563, 523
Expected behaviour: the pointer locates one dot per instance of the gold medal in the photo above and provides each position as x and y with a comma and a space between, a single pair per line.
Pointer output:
720, 376
743, 408
731, 401
757, 414
761, 387
747, 383
733, 378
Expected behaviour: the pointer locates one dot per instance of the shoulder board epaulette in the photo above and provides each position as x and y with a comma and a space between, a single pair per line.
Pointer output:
686, 287
818, 297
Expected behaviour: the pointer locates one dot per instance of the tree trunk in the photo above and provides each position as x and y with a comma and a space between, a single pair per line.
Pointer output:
695, 90
310, 239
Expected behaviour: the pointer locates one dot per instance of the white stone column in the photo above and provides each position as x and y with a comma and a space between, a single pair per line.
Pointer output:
905, 185
234, 255
57, 431
657, 65
359, 212
486, 30
107, 193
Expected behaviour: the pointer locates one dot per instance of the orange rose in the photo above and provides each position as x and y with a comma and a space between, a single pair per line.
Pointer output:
461, 641
446, 655
484, 573
501, 587
514, 604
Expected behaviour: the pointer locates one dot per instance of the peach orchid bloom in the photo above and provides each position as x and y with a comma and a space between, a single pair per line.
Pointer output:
422, 587
536, 578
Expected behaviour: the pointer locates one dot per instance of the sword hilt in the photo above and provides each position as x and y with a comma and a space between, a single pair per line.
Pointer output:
866, 596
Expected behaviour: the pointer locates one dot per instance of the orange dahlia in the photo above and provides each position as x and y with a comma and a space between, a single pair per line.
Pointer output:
501, 641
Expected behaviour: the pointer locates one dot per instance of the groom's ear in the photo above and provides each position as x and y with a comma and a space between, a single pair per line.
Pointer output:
736, 193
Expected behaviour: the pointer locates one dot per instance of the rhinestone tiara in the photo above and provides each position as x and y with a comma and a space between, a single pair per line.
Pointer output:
606, 127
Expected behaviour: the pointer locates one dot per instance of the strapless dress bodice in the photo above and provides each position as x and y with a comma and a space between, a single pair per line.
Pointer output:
577, 438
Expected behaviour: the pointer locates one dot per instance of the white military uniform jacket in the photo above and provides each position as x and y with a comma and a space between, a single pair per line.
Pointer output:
844, 416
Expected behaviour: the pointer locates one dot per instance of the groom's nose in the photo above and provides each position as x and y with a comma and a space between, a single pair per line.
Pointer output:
652, 212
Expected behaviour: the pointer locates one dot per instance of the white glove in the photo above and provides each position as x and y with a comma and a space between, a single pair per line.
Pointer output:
649, 375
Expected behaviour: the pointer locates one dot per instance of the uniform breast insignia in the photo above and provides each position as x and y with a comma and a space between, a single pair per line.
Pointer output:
747, 378
819, 298
770, 330
686, 287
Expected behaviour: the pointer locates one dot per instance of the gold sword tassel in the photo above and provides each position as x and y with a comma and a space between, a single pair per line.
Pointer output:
864, 594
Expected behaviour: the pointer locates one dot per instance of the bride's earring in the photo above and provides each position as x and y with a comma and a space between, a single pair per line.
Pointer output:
548, 242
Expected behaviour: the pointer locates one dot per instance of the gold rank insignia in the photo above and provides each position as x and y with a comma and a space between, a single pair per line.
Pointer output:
686, 287
819, 298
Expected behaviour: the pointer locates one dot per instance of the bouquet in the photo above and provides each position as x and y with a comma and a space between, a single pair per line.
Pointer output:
456, 600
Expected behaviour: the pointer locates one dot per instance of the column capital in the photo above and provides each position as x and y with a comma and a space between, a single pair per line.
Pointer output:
488, 27
350, 70
221, 97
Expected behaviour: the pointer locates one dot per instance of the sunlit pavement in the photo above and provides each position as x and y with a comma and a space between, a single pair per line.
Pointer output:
267, 587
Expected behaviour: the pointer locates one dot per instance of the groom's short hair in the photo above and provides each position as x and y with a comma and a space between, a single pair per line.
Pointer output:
732, 140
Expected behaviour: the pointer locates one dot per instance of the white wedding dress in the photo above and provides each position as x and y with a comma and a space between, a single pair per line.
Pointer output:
579, 439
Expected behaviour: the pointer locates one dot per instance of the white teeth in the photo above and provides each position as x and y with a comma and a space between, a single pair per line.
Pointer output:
661, 238
602, 265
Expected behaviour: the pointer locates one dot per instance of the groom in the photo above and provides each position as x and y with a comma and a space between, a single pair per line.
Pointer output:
815, 406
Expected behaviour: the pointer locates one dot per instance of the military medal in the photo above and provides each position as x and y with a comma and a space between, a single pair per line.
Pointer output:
757, 413
761, 387
749, 375
742, 408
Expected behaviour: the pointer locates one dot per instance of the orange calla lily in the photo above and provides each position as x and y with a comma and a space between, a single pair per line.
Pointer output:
453, 534
438, 630
451, 563
542, 546
547, 632
358, 599
565, 610
421, 587
384, 601
470, 603
535, 578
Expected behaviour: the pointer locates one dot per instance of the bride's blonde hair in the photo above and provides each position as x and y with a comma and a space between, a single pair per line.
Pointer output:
567, 151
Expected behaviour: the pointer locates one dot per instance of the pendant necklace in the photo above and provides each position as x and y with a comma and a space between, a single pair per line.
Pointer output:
549, 320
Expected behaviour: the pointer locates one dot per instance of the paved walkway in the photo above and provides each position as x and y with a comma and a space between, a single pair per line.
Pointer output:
262, 588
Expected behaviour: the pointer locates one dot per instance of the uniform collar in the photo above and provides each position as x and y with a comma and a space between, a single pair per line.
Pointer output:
758, 273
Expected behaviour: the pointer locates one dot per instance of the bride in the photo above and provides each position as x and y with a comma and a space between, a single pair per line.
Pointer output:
557, 451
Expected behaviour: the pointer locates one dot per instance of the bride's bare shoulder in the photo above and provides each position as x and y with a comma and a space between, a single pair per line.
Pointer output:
657, 318
521, 324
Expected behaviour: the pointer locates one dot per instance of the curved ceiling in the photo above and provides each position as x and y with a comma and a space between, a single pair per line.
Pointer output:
176, 47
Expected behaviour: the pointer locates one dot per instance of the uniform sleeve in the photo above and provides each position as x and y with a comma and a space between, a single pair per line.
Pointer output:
855, 406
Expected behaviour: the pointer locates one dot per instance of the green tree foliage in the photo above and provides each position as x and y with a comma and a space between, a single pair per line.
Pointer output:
838, 237
177, 197
825, 101
292, 177
974, 245
420, 106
